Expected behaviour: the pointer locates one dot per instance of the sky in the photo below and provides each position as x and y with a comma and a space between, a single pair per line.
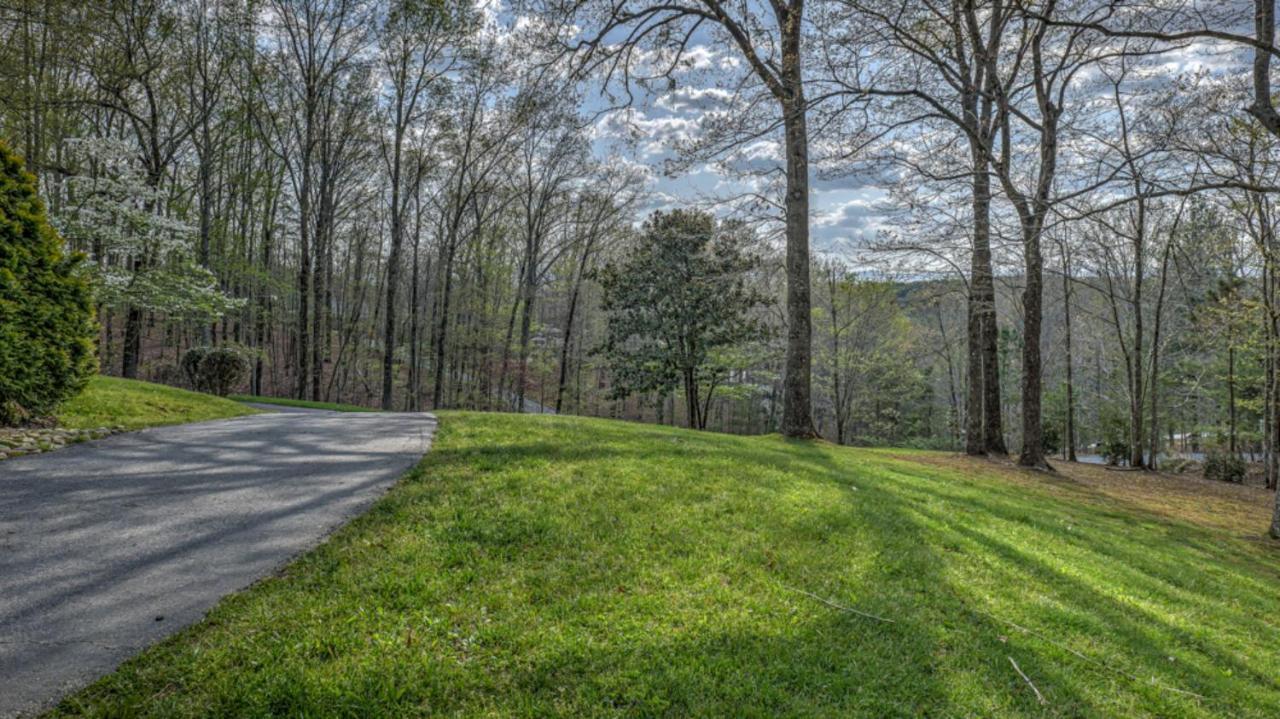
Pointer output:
649, 131
847, 212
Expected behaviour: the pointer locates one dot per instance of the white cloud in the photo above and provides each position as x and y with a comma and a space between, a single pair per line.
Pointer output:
694, 99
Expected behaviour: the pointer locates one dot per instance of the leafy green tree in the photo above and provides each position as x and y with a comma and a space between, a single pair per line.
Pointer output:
46, 311
674, 303
867, 357
1231, 321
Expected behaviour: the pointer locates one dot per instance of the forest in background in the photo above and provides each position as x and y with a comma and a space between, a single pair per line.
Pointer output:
408, 205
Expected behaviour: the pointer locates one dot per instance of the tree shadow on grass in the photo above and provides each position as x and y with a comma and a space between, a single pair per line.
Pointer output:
1113, 589
822, 661
553, 576
947, 651
721, 651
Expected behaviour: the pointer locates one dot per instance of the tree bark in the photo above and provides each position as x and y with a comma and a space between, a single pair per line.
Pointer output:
304, 285
1137, 457
836, 396
1069, 442
529, 287
446, 269
568, 324
983, 279
1275, 519
1032, 298
1153, 385
797, 410
393, 271
131, 353
973, 412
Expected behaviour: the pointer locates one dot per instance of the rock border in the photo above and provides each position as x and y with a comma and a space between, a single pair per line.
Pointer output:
36, 440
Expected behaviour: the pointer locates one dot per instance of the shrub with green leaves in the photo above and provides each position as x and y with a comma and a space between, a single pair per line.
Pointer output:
216, 370
1224, 466
190, 365
1115, 435
46, 310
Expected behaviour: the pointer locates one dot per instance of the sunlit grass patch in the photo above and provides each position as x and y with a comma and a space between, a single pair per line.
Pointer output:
537, 565
112, 401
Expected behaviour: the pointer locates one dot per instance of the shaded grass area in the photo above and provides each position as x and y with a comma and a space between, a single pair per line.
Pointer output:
1241, 509
111, 401
542, 566
286, 402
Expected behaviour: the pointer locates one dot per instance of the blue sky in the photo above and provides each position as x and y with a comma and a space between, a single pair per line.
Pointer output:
649, 132
847, 212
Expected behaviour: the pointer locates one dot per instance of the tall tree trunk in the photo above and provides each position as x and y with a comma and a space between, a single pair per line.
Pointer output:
1032, 298
1272, 469
973, 413
568, 324
442, 331
1069, 444
262, 313
1031, 216
131, 353
206, 207
1137, 456
320, 283
1153, 385
1275, 519
983, 281
1274, 433
797, 410
836, 398
529, 289
393, 278
1231, 395
304, 289
503, 369
415, 372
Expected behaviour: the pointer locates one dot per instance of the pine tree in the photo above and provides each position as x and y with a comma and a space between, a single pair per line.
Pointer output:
46, 310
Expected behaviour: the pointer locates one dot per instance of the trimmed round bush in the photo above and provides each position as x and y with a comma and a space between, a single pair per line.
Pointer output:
223, 369
46, 305
217, 370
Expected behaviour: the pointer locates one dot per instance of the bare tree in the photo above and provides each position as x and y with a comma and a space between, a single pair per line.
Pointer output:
413, 42
319, 43
940, 64
478, 145
771, 42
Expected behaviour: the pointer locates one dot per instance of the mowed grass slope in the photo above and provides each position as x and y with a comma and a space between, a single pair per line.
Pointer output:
111, 401
538, 566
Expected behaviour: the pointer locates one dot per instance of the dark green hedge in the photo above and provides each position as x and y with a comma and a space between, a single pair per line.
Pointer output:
46, 308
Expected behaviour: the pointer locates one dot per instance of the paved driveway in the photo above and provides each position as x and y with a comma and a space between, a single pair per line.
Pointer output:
108, 546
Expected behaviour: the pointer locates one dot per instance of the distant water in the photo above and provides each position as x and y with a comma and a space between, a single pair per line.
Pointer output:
1098, 459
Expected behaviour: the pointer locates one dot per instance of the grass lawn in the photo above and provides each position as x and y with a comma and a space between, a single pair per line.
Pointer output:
110, 401
536, 566
334, 406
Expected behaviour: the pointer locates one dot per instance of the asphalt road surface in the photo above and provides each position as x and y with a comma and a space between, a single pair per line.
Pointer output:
107, 547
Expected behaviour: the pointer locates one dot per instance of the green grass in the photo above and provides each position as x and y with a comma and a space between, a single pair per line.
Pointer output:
549, 566
284, 401
111, 401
